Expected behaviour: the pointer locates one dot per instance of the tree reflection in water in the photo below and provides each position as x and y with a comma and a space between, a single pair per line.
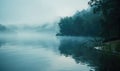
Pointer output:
83, 53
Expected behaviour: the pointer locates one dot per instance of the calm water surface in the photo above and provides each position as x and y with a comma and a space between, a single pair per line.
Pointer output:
35, 52
45, 52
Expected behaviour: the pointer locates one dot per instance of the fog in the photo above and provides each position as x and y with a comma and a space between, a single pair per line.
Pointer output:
28, 40
37, 12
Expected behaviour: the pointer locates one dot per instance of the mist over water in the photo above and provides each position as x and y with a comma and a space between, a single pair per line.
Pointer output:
34, 51
44, 51
59, 35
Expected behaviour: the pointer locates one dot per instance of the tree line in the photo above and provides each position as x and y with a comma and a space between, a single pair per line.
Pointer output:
101, 19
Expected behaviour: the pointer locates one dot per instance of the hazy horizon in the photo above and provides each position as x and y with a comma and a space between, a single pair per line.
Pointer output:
37, 12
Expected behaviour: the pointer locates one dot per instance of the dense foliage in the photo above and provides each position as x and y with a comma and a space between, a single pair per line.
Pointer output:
102, 19
84, 23
110, 10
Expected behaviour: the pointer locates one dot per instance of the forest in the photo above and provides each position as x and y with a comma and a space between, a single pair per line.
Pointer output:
100, 19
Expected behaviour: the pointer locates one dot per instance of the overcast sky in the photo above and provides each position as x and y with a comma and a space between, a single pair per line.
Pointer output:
37, 11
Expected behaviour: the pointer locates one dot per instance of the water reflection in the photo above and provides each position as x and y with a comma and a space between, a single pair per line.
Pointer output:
81, 52
35, 53
50, 53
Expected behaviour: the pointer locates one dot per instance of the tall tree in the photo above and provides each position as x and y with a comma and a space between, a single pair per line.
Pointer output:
110, 10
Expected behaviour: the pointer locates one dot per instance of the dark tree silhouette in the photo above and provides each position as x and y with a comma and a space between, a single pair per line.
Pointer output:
110, 10
81, 24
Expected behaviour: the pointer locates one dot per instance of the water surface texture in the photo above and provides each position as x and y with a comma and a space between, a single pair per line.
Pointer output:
35, 52
45, 52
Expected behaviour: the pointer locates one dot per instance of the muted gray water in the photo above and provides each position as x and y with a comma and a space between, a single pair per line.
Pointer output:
35, 52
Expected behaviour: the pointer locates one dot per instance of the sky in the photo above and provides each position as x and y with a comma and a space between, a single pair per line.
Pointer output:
20, 12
